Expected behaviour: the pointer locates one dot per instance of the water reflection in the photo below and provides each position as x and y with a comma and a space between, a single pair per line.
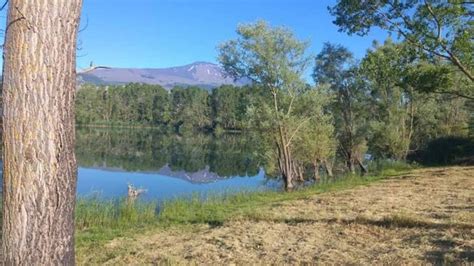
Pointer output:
200, 157
166, 164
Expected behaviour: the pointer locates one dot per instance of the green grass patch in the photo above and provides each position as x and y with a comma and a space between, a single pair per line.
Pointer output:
390, 167
95, 212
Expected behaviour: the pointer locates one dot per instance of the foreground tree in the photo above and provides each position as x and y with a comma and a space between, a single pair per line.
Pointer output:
275, 60
39, 175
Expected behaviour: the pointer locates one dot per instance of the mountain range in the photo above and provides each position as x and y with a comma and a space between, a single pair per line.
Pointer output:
202, 74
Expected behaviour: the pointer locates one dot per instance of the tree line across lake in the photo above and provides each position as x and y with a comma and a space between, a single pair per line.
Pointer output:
151, 105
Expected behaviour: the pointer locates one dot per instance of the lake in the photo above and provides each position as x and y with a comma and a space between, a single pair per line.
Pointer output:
167, 165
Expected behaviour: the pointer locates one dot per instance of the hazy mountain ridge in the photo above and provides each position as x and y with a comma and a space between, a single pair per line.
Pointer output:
201, 74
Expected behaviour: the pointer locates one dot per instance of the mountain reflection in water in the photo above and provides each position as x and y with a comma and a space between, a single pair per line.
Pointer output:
167, 165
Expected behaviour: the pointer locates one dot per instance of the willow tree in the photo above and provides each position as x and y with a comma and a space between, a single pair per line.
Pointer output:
275, 60
39, 175
315, 145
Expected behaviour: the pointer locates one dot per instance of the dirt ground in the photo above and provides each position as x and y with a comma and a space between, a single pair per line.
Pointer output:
425, 217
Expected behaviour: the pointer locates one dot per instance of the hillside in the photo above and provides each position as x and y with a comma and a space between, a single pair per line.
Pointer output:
201, 74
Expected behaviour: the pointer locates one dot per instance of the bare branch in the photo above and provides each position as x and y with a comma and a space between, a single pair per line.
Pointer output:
92, 68
4, 5
438, 22
296, 131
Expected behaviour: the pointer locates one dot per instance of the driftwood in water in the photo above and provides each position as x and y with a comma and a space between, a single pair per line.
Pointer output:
133, 192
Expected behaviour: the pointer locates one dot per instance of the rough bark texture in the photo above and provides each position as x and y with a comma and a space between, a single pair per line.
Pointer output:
39, 177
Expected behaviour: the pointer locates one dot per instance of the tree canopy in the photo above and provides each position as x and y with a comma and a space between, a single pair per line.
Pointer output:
436, 28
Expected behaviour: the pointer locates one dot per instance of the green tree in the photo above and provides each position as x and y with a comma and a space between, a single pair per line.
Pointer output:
392, 100
275, 60
190, 108
335, 66
405, 118
87, 105
228, 107
435, 28
315, 146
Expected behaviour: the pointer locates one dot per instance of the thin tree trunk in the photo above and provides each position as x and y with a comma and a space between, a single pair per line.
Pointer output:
300, 172
351, 165
412, 118
284, 154
328, 167
316, 170
39, 177
285, 165
363, 168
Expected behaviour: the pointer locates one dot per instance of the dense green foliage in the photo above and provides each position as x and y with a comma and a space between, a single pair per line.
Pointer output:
151, 105
448, 151
379, 109
434, 29
335, 66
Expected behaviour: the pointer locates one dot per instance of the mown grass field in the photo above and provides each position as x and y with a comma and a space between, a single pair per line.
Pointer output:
415, 216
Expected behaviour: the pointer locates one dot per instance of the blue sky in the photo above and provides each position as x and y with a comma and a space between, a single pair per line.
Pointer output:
163, 33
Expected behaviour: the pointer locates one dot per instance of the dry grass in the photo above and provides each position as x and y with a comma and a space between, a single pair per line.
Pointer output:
424, 217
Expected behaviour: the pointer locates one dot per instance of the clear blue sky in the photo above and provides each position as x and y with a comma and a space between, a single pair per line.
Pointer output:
163, 33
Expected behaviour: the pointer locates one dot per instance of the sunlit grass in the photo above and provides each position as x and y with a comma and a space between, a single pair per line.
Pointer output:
96, 212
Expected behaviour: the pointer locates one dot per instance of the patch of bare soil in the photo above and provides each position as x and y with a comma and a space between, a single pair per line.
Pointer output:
425, 217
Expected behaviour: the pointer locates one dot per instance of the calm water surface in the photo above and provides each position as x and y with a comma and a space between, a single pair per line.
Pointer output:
167, 165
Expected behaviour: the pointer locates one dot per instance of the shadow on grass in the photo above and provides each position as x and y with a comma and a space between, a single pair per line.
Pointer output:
395, 221
446, 252
399, 221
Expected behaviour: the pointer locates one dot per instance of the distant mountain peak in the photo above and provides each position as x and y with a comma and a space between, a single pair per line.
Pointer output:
200, 73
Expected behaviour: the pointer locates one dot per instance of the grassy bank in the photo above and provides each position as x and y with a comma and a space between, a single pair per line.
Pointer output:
421, 217
98, 220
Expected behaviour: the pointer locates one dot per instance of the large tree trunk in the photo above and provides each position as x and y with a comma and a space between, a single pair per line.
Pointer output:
39, 177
